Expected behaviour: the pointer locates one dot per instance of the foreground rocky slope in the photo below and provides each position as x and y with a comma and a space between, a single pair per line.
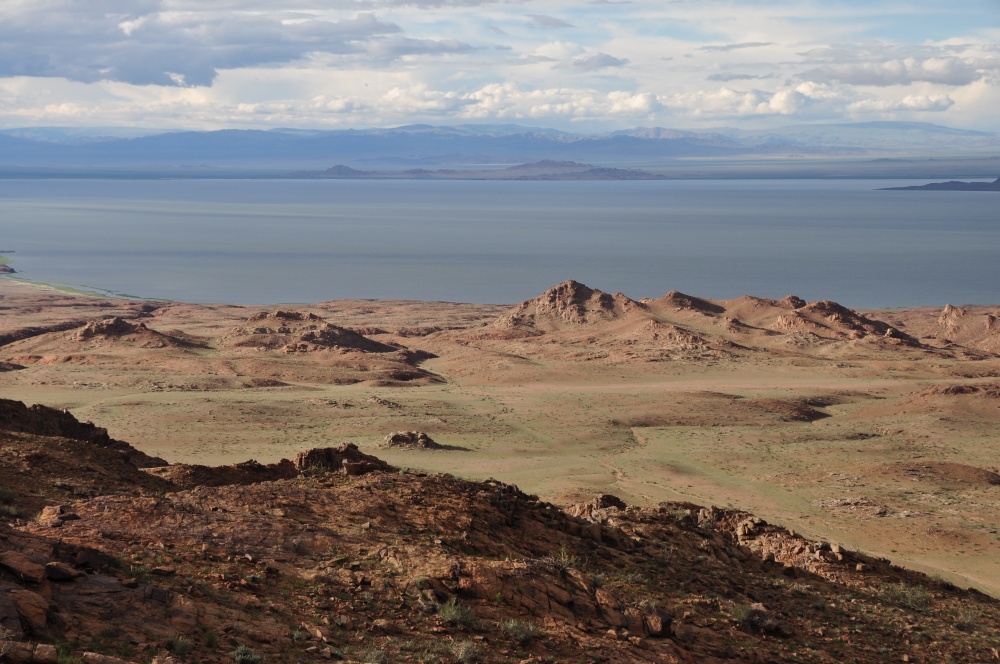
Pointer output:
337, 555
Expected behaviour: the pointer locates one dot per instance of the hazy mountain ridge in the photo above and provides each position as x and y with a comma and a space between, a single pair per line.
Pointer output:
483, 144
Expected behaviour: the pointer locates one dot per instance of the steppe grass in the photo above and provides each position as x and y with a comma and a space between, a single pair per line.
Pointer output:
457, 614
375, 656
466, 651
6, 640
179, 645
246, 655
522, 632
914, 598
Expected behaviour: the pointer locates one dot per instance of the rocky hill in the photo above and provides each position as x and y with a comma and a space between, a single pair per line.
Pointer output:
293, 332
336, 555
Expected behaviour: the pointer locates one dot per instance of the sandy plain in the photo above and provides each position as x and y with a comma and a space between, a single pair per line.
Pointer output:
875, 430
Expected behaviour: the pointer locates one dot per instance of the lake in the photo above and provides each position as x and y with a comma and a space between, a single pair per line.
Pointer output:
270, 241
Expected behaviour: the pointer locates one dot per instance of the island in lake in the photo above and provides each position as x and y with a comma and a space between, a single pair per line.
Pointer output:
953, 185
540, 170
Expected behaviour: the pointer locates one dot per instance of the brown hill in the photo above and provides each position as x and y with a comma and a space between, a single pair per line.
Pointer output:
48, 457
678, 326
117, 329
296, 332
40, 420
344, 557
569, 303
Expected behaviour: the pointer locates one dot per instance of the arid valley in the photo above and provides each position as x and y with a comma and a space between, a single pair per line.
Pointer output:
872, 433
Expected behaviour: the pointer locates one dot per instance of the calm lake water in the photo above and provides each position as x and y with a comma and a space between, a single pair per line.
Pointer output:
269, 241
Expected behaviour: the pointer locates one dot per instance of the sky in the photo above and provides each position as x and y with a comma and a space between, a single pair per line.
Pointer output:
578, 66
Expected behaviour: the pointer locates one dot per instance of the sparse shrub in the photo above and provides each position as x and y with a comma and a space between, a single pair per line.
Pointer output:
968, 620
466, 651
6, 640
647, 605
421, 582
7, 496
10, 512
246, 655
255, 578
375, 656
456, 614
629, 577
298, 635
179, 645
521, 632
748, 616
597, 580
915, 598
800, 588
210, 639
561, 562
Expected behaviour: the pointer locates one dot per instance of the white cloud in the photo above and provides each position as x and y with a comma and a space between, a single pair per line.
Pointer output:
592, 61
728, 102
905, 71
922, 103
213, 63
548, 22
722, 48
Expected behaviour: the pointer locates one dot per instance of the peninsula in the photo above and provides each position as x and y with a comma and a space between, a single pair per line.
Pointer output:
953, 185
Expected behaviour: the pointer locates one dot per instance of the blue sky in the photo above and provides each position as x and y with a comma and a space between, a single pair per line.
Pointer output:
579, 66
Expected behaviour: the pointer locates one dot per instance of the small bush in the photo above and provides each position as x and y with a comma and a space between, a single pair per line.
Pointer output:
914, 598
179, 645
456, 614
246, 655
562, 562
747, 616
210, 639
647, 605
7, 496
6, 640
968, 620
629, 577
521, 632
466, 651
375, 656
10, 512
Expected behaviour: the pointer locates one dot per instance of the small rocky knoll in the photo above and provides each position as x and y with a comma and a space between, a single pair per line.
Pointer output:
296, 332
414, 440
569, 303
975, 328
346, 558
40, 420
346, 458
118, 330
35, 331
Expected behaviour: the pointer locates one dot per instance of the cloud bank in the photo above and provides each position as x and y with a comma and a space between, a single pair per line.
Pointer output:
602, 65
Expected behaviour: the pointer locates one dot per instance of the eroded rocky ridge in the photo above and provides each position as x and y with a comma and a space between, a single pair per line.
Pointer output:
336, 555
297, 332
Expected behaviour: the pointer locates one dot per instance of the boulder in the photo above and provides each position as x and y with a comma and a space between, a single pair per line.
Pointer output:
56, 571
32, 607
21, 566
410, 439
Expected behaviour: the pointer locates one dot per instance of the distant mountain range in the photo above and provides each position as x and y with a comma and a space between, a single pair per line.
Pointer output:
539, 170
287, 150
